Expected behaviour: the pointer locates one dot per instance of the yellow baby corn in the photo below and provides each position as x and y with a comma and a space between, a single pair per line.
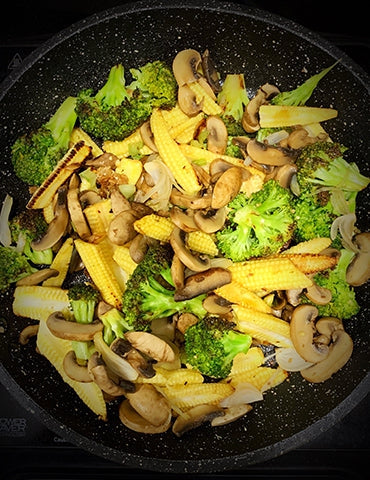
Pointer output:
202, 242
123, 258
38, 302
63, 170
260, 377
177, 376
205, 157
312, 263
262, 326
285, 116
236, 293
184, 132
172, 156
55, 349
98, 260
208, 105
174, 117
48, 212
315, 245
99, 216
187, 396
122, 148
61, 263
155, 226
78, 134
274, 273
247, 361
276, 378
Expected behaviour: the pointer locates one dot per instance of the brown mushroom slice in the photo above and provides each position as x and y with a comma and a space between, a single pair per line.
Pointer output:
318, 295
89, 197
132, 420
187, 201
203, 282
231, 414
74, 370
143, 365
217, 135
68, 330
213, 303
195, 417
185, 321
250, 120
151, 345
119, 202
98, 371
183, 219
150, 404
299, 138
27, 333
106, 159
269, 154
340, 351
177, 272
185, 66
302, 330
210, 72
57, 226
121, 229
147, 136
210, 221
38, 277
187, 101
76, 214
285, 173
227, 187
191, 261
358, 271
219, 166
139, 246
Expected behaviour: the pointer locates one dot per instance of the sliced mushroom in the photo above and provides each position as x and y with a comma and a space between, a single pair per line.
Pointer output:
340, 351
219, 166
358, 271
284, 174
132, 420
143, 365
151, 345
318, 295
74, 370
299, 138
185, 66
119, 202
217, 135
203, 282
27, 333
150, 404
177, 272
147, 136
183, 219
195, 417
231, 414
187, 101
76, 214
294, 296
68, 330
98, 370
269, 154
139, 246
210, 72
38, 277
185, 321
191, 261
227, 187
89, 197
213, 303
250, 120
302, 330
121, 229
106, 159
187, 201
210, 221
57, 226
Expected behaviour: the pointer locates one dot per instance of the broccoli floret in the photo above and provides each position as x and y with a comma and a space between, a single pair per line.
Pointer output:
257, 226
211, 345
25, 228
13, 267
155, 83
301, 94
343, 304
149, 291
35, 154
83, 298
115, 325
233, 98
262, 133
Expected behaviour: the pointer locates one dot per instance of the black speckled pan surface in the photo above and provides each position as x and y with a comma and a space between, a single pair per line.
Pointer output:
266, 48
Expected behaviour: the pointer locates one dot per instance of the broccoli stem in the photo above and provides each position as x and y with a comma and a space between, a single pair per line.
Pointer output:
62, 122
113, 92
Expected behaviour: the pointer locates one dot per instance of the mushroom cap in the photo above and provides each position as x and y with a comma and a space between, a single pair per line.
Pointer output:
132, 420
185, 66
68, 330
203, 282
195, 263
269, 154
73, 370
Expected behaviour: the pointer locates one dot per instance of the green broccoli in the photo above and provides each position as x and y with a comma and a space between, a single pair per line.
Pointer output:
35, 154
149, 291
13, 267
343, 304
301, 94
211, 345
26, 227
155, 83
257, 226
83, 298
115, 325
232, 98
327, 187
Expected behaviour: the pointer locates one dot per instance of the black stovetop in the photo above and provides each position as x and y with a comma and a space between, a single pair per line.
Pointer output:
28, 450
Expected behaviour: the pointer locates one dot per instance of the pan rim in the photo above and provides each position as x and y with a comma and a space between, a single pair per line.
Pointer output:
204, 465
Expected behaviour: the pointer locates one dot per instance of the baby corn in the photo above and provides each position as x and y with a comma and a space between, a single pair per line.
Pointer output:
155, 226
60, 263
201, 242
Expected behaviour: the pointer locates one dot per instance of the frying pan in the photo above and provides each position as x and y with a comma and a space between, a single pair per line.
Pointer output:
266, 48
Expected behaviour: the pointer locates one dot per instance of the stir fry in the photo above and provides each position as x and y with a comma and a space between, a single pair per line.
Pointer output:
185, 247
